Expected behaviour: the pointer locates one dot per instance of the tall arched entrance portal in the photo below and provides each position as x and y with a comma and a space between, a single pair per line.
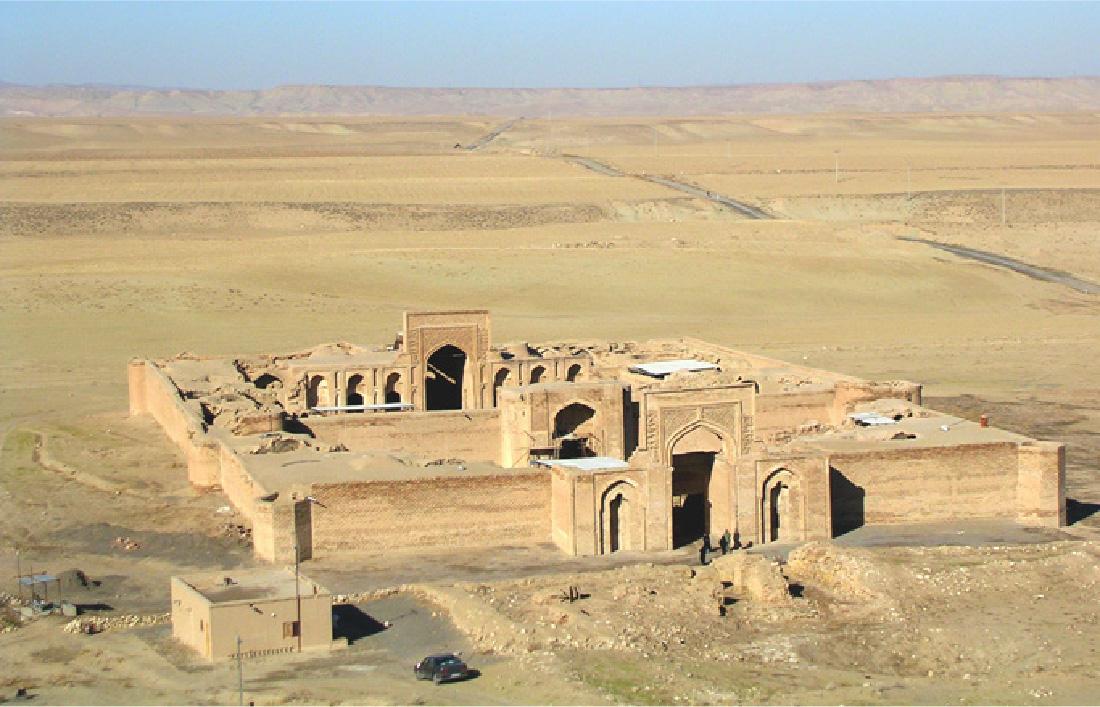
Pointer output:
443, 379
693, 455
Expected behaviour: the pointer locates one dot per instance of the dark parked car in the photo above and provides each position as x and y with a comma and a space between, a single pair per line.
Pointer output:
441, 668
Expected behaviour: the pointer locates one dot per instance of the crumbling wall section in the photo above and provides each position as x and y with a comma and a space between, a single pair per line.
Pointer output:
151, 392
460, 434
780, 417
756, 577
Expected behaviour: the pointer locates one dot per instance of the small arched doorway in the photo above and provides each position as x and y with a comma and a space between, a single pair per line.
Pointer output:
498, 382
443, 379
537, 374
573, 373
575, 431
618, 521
779, 500
618, 509
355, 391
317, 393
776, 512
393, 389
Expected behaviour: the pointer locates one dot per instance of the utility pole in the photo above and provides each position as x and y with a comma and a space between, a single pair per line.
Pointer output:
240, 675
297, 597
836, 166
18, 575
1004, 209
908, 182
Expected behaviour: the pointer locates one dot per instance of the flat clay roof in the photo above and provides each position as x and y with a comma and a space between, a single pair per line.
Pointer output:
281, 471
929, 432
250, 585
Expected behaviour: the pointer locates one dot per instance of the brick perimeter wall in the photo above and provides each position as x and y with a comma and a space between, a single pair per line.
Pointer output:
511, 508
931, 484
152, 392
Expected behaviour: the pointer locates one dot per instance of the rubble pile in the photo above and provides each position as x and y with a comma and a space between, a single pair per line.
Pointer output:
238, 532
644, 609
847, 572
755, 577
99, 624
127, 544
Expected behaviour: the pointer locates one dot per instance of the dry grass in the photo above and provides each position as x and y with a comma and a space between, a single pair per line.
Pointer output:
151, 237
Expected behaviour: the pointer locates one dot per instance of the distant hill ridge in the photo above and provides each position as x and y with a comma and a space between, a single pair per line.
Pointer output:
941, 94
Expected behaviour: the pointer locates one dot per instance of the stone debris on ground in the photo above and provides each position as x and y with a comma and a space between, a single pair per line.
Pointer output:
236, 531
99, 624
127, 544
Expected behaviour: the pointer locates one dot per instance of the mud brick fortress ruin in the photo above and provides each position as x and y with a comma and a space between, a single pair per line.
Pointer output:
446, 439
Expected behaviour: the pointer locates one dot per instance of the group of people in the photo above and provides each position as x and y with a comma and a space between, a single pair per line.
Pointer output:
725, 543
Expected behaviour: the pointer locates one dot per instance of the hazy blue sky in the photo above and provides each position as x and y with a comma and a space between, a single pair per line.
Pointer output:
259, 45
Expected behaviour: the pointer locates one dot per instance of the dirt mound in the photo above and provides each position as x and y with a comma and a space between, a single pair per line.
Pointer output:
846, 572
74, 579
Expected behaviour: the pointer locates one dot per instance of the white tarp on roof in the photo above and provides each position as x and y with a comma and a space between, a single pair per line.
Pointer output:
660, 369
586, 463
872, 418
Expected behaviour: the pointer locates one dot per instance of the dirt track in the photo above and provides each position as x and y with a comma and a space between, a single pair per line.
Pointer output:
1074, 283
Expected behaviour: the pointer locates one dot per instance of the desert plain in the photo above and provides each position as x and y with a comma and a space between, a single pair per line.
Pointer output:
124, 237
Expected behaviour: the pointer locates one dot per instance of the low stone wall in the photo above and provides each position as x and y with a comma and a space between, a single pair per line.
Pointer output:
458, 434
510, 508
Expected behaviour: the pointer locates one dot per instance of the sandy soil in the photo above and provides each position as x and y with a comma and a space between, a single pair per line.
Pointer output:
150, 237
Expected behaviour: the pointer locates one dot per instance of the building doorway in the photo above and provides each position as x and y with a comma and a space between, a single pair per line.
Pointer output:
498, 382
777, 508
443, 379
393, 391
355, 390
779, 502
616, 510
574, 431
620, 519
691, 496
317, 393
693, 455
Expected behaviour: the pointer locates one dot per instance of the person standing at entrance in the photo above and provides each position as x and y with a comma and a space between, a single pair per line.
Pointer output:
724, 542
703, 552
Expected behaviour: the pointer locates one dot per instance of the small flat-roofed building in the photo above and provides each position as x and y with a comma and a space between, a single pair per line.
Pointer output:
261, 606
